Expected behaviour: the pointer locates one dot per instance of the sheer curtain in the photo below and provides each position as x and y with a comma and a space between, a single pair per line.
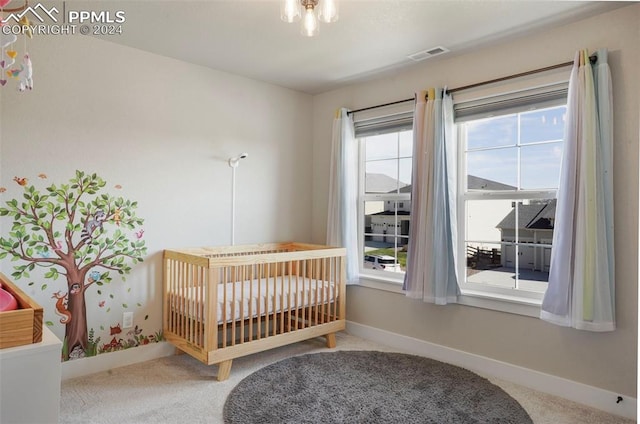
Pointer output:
432, 253
581, 278
342, 221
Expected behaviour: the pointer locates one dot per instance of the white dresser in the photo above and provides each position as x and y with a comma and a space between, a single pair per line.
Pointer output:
30, 381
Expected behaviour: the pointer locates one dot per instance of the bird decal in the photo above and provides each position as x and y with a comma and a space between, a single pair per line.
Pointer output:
21, 181
116, 216
94, 276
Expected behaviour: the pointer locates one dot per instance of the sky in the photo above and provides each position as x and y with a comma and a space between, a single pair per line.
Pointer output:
492, 151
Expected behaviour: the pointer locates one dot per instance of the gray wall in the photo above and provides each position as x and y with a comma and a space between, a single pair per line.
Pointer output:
605, 360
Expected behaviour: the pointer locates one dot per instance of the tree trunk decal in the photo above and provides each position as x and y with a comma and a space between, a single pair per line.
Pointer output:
76, 232
76, 332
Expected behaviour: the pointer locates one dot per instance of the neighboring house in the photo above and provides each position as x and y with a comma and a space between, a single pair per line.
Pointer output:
383, 221
381, 216
534, 225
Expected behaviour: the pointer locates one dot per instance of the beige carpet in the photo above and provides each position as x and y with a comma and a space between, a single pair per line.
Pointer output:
179, 389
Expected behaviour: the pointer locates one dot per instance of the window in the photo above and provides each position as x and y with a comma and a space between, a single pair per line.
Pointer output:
386, 147
509, 174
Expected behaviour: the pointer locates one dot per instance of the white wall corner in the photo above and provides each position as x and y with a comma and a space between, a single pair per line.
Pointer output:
594, 397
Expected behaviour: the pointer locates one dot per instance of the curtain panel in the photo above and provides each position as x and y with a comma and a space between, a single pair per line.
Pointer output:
581, 292
342, 220
432, 269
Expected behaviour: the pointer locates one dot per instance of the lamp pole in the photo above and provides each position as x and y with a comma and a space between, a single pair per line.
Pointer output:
233, 163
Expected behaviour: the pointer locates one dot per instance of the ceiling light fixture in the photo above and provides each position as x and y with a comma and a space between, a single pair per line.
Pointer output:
311, 11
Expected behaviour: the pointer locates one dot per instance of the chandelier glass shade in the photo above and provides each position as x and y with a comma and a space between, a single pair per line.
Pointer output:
310, 13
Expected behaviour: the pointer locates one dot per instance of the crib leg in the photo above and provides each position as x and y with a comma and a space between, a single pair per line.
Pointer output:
178, 352
224, 370
331, 340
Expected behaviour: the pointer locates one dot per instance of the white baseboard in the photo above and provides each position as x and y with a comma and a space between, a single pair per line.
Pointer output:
106, 361
594, 397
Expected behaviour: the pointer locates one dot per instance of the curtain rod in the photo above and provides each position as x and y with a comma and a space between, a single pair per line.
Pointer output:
592, 59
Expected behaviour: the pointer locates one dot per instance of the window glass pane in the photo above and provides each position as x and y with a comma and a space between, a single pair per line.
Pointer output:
492, 132
382, 176
492, 169
508, 242
483, 218
383, 146
387, 163
406, 144
485, 265
540, 166
530, 258
386, 235
404, 174
371, 209
542, 125
386, 259
523, 233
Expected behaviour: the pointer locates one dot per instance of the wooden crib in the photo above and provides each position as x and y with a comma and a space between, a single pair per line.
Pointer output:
226, 302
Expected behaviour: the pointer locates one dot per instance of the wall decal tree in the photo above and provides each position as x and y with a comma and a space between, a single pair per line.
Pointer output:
74, 231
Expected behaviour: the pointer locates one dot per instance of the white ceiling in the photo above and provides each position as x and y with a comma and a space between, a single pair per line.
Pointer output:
247, 37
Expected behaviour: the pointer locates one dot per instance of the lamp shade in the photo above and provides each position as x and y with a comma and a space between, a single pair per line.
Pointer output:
310, 24
328, 11
290, 10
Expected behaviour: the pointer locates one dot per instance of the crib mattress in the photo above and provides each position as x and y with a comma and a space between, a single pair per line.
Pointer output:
255, 298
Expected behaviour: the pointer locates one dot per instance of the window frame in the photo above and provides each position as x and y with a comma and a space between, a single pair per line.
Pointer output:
546, 89
395, 278
481, 290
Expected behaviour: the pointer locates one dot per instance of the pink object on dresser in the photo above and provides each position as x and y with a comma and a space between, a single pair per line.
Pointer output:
7, 301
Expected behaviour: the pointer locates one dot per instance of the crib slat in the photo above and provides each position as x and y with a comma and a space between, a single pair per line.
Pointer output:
183, 300
242, 314
259, 302
289, 297
267, 302
252, 276
323, 291
316, 300
277, 314
210, 315
309, 291
224, 307
336, 285
234, 298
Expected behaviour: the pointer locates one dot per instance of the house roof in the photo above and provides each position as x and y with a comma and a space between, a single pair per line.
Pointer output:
478, 183
536, 215
391, 213
473, 183
381, 183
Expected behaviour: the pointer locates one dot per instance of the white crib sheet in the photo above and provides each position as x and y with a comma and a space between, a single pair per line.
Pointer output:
257, 297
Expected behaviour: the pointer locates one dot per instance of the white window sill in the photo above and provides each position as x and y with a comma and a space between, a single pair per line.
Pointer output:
476, 299
379, 283
500, 302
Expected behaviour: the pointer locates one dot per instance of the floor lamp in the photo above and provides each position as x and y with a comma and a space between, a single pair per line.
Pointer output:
233, 163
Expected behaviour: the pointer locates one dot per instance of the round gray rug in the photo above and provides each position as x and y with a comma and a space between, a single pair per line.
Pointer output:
368, 387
